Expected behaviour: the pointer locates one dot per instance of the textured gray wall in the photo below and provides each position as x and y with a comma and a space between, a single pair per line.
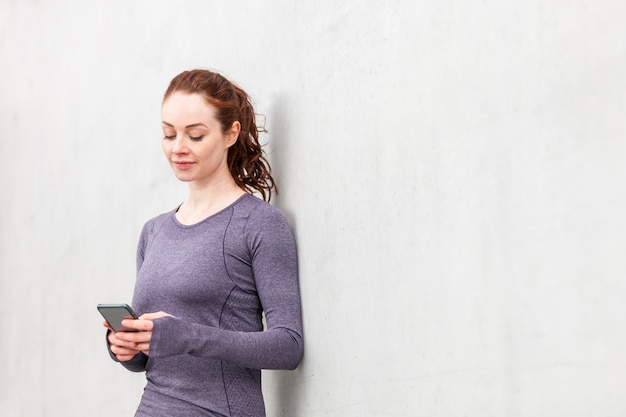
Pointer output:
454, 173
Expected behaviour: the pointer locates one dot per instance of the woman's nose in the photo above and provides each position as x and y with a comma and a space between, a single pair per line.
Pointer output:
179, 145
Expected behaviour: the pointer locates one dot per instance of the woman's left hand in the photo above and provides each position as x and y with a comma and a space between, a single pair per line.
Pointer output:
140, 340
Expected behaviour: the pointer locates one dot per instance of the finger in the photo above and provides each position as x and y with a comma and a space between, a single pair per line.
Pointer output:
124, 357
153, 316
129, 339
114, 339
121, 350
123, 344
111, 338
135, 337
144, 347
138, 324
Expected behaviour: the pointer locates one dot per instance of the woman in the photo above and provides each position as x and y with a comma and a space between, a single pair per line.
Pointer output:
207, 270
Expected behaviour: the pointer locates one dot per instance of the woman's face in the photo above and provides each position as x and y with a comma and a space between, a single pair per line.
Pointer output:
193, 141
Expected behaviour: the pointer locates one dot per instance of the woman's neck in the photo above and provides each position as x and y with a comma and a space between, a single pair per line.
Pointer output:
204, 201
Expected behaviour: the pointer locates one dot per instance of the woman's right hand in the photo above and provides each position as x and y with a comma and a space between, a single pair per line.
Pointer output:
120, 348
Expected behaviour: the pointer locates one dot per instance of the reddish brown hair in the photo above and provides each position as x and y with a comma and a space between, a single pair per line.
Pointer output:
246, 159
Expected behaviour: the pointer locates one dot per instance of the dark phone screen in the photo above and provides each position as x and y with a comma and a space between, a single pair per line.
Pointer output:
115, 313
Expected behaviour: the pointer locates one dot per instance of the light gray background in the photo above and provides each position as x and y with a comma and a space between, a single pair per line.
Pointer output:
453, 171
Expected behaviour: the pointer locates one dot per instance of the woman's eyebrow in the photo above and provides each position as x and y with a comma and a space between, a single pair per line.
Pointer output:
186, 127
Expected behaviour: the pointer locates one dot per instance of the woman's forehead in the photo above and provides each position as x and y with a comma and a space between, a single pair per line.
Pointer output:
183, 108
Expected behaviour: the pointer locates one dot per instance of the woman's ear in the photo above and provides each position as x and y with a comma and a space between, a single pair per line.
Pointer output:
233, 133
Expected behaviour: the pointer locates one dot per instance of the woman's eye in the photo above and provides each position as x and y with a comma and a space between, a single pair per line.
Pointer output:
196, 138
169, 137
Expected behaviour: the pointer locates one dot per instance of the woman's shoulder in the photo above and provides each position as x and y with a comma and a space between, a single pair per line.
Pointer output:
157, 221
259, 218
257, 209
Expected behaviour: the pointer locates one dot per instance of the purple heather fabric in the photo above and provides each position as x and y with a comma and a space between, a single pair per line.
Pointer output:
217, 277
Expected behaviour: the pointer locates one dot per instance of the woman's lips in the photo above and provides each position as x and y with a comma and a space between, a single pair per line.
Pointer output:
183, 164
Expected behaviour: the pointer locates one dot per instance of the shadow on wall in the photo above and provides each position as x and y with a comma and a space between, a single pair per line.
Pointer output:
281, 137
288, 394
286, 385
283, 169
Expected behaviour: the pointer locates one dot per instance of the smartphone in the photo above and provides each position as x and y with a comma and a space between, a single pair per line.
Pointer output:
115, 313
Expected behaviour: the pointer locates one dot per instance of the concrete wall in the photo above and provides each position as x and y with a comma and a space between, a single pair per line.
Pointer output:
453, 170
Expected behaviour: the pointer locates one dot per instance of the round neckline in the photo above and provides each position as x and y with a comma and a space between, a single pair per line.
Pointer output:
206, 219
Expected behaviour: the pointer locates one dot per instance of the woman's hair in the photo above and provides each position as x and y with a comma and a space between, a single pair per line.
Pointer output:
246, 159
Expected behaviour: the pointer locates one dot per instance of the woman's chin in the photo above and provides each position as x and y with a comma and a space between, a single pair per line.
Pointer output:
183, 177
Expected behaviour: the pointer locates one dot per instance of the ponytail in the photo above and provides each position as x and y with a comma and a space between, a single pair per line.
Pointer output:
246, 159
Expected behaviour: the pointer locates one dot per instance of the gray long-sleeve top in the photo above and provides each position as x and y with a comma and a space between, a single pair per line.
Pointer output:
216, 278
